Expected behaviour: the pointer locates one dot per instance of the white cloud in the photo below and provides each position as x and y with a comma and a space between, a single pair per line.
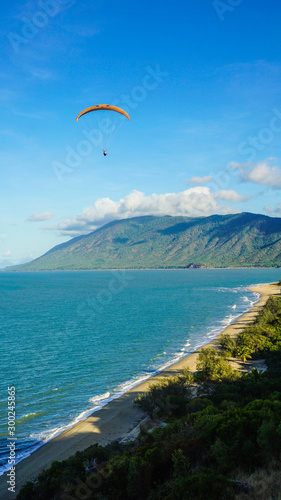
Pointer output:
40, 217
200, 180
194, 202
261, 173
230, 195
8, 253
274, 211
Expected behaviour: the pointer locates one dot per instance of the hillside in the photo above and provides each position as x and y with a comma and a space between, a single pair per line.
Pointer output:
240, 240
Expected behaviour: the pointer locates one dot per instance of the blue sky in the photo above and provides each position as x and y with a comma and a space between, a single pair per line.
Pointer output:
201, 82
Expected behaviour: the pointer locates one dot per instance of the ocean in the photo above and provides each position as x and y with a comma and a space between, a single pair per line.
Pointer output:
72, 341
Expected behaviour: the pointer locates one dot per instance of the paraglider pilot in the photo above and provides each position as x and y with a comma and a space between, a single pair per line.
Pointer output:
103, 107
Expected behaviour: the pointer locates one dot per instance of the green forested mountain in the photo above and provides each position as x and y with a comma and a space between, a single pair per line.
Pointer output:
239, 240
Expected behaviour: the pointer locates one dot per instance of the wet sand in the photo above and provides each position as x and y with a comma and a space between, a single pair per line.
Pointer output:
115, 420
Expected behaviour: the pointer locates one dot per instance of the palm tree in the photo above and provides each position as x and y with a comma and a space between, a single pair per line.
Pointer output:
243, 352
256, 374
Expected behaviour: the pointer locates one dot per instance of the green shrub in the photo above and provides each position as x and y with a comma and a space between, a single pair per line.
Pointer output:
27, 491
269, 439
198, 404
181, 465
212, 366
227, 344
263, 335
169, 395
204, 485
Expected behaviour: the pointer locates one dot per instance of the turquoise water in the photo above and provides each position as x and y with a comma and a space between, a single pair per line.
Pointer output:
71, 341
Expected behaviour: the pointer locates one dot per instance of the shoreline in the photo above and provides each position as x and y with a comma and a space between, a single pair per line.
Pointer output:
6, 269
119, 417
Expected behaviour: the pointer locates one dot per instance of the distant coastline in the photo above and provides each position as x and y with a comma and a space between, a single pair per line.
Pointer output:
169, 242
203, 268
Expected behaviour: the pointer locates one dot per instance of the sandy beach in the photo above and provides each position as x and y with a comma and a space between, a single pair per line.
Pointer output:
116, 419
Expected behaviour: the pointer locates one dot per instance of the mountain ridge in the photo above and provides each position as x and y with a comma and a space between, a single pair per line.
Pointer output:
152, 242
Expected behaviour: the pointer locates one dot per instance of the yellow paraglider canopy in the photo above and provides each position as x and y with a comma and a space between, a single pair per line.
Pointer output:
103, 107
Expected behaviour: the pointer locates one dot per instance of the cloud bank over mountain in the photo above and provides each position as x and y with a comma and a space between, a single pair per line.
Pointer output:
194, 202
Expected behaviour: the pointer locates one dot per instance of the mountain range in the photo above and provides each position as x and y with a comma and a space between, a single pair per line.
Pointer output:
151, 242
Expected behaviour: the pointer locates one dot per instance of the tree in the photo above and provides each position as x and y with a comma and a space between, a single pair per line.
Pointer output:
213, 366
243, 352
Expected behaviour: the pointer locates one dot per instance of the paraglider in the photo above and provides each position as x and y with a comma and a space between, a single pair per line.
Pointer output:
105, 120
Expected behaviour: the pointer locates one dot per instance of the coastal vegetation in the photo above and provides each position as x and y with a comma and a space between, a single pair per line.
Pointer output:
219, 438
236, 240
